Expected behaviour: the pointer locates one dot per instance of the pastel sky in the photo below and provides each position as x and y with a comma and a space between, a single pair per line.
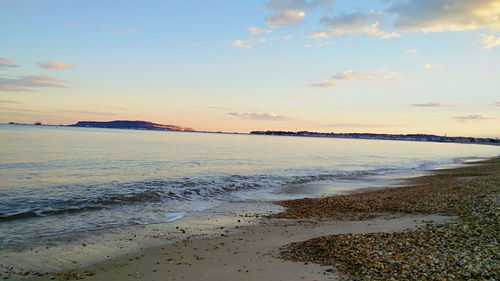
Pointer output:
387, 66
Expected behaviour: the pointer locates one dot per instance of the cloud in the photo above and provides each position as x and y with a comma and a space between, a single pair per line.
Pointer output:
431, 65
55, 65
290, 12
354, 24
257, 30
432, 104
25, 83
488, 41
285, 17
472, 117
380, 75
446, 15
10, 102
6, 60
326, 84
123, 30
287, 36
88, 112
267, 116
497, 103
411, 51
241, 44
7, 63
377, 75
358, 125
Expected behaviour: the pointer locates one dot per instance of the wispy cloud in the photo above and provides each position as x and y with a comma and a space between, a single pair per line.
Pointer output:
241, 44
497, 103
358, 125
291, 12
326, 84
377, 75
446, 15
354, 24
257, 30
10, 102
88, 112
432, 104
432, 65
380, 75
7, 63
267, 116
26, 83
411, 51
287, 36
123, 30
55, 65
26, 110
472, 117
488, 42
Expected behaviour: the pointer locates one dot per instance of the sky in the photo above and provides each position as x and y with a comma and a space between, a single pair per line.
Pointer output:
381, 66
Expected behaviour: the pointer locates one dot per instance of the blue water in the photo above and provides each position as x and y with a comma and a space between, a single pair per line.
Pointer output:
60, 180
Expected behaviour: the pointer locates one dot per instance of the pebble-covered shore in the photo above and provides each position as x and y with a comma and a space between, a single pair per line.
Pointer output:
467, 249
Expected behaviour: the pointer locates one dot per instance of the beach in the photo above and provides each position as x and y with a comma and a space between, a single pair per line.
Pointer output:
441, 226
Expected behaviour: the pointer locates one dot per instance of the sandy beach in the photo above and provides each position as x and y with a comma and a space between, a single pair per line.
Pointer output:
439, 227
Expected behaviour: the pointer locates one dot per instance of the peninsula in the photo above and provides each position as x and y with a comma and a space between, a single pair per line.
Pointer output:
136, 125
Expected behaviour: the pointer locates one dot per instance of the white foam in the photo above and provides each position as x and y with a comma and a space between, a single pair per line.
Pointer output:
170, 217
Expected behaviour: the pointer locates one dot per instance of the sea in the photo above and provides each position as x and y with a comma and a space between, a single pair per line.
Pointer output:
58, 182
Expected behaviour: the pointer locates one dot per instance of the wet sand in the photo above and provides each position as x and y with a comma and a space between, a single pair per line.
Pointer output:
246, 253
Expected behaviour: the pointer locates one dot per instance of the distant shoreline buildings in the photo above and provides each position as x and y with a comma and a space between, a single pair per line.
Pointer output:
401, 137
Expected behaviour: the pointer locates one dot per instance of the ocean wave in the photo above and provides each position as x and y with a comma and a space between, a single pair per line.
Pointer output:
62, 200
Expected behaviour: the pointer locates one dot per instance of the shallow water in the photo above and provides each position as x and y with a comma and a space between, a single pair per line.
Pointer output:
59, 180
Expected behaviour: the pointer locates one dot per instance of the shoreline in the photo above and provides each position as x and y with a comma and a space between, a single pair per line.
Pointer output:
496, 143
242, 250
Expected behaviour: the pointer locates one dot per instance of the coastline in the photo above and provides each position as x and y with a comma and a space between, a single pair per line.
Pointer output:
254, 252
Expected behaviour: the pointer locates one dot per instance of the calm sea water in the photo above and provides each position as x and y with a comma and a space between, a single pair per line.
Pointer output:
59, 180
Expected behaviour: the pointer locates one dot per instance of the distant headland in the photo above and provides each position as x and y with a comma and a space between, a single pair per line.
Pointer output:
126, 124
407, 137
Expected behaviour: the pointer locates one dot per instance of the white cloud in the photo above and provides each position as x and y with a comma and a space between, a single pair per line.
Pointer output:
377, 75
432, 104
257, 30
446, 15
431, 65
411, 51
55, 65
472, 117
380, 75
354, 24
25, 83
488, 41
285, 17
290, 12
7, 63
267, 116
497, 103
241, 44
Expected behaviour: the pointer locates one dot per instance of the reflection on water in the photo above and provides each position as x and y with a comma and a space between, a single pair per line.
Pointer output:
59, 180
